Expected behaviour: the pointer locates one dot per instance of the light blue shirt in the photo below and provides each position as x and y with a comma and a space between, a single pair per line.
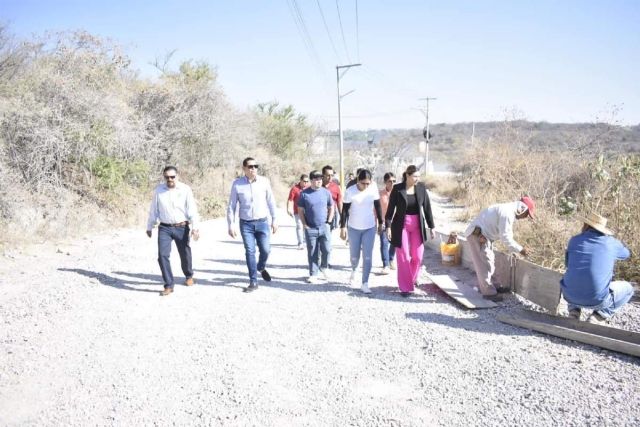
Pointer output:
255, 199
589, 259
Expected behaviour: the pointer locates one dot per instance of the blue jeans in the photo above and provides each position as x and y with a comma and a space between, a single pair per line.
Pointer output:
364, 238
166, 235
619, 294
299, 230
318, 240
387, 251
256, 232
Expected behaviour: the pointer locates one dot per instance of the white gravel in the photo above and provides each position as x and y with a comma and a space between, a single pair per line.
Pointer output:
86, 340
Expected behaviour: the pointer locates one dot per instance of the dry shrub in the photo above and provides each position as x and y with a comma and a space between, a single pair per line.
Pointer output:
562, 182
449, 186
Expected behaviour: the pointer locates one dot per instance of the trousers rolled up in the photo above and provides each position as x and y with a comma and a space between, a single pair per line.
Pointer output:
256, 233
318, 248
180, 235
410, 254
484, 264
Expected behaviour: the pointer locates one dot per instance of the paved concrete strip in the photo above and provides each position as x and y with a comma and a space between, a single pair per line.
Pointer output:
601, 336
461, 292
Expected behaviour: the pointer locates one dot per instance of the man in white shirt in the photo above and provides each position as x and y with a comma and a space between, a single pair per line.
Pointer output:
174, 206
495, 223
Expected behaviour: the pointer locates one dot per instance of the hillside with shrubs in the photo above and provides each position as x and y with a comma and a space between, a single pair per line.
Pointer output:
84, 137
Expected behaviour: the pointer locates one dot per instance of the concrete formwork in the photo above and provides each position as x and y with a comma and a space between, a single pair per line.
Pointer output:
537, 284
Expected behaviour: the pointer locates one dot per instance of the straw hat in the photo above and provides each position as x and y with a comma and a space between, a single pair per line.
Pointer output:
596, 221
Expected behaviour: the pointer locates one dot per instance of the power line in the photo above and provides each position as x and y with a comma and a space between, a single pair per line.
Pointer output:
357, 32
329, 32
306, 31
308, 43
392, 85
342, 31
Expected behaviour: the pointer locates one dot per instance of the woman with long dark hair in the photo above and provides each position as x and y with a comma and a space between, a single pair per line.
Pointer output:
358, 206
407, 219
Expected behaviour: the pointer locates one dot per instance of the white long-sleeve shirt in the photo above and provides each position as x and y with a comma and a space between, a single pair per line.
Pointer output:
173, 206
496, 223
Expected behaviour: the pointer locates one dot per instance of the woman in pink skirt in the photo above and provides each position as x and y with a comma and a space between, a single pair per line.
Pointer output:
407, 219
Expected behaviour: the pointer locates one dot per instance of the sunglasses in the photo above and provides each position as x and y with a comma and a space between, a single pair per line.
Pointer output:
253, 166
169, 177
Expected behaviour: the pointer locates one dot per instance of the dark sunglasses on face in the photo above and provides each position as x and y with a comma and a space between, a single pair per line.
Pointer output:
169, 177
253, 166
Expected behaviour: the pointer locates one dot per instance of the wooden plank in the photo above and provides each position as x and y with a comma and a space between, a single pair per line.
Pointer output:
461, 292
502, 272
598, 335
539, 285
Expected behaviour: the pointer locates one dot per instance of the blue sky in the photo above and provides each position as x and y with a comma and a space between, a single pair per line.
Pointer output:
559, 61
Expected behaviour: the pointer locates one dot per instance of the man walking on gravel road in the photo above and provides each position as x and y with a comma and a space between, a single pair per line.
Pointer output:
174, 206
495, 223
316, 208
254, 197
589, 259
292, 207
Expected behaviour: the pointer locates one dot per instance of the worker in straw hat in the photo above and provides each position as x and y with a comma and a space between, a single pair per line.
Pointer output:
495, 223
587, 282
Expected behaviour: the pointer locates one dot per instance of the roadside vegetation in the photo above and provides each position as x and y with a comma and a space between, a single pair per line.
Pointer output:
582, 175
83, 137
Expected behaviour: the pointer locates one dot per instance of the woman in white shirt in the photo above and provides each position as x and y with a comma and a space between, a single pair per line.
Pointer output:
358, 207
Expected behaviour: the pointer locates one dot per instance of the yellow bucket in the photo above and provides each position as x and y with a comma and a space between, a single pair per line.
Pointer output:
450, 253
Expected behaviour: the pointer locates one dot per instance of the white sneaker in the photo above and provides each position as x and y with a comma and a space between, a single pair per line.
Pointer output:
300, 247
365, 288
392, 265
324, 274
352, 279
385, 271
312, 279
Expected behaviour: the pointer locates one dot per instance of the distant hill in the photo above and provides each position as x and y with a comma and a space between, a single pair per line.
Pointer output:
447, 139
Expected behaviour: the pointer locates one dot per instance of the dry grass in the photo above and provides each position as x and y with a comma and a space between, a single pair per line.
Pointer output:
562, 183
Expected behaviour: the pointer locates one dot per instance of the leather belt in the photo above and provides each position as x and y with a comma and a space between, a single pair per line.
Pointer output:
180, 224
255, 220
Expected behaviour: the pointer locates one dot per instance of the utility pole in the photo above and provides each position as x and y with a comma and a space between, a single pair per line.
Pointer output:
338, 75
426, 133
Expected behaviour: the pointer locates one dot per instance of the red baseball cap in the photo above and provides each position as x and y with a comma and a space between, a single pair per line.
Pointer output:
530, 205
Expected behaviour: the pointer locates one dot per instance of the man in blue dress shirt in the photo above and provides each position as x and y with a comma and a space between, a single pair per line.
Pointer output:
253, 196
587, 282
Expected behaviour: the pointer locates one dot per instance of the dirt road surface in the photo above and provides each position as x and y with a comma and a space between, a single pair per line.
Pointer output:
86, 340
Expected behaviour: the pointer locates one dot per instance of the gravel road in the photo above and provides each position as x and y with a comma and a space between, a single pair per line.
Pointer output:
86, 340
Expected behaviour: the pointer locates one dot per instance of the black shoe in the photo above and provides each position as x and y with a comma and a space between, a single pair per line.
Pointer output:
405, 294
265, 275
252, 287
494, 298
503, 290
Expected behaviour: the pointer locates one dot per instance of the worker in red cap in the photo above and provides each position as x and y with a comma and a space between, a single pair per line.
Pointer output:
495, 223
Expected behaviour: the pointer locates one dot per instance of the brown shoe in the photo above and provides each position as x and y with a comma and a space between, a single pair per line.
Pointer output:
189, 282
166, 292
